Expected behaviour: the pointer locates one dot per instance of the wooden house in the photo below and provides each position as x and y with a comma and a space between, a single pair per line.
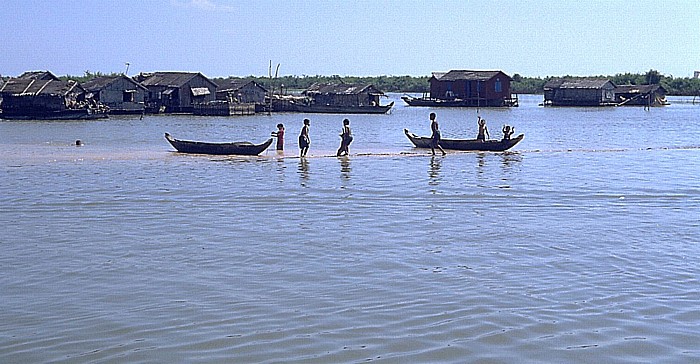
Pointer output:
241, 91
35, 98
472, 88
641, 95
176, 91
579, 92
343, 94
121, 94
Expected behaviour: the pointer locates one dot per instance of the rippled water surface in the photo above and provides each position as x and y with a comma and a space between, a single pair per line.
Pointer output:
579, 245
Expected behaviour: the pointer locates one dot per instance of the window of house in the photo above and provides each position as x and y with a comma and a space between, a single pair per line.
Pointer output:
497, 85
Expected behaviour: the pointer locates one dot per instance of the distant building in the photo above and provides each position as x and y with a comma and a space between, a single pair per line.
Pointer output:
579, 92
641, 95
37, 98
343, 94
472, 88
121, 94
176, 91
241, 91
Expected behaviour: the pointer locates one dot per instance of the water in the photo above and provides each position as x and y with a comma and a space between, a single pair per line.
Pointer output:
580, 245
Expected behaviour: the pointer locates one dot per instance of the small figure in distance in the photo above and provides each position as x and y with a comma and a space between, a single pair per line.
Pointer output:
304, 140
78, 143
483, 130
508, 131
279, 134
345, 139
435, 137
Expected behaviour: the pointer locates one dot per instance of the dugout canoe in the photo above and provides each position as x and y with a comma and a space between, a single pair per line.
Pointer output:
235, 148
465, 144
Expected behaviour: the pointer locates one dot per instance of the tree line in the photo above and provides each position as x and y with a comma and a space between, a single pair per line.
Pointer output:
679, 86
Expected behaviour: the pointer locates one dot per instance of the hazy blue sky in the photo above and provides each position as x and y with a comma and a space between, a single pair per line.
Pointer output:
364, 38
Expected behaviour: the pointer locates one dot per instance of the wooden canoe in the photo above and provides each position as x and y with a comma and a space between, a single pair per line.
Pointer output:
465, 144
332, 109
235, 148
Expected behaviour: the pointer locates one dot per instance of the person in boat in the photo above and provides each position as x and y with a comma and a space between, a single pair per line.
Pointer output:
304, 140
508, 131
279, 134
483, 130
435, 137
345, 139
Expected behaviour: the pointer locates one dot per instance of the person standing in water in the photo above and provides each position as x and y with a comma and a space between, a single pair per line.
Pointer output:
345, 139
304, 140
435, 137
279, 134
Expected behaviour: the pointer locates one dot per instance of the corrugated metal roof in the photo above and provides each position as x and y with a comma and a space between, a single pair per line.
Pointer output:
38, 75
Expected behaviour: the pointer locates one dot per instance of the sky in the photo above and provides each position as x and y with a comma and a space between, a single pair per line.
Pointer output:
222, 38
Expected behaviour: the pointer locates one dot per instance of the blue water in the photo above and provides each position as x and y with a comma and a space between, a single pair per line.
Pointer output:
579, 245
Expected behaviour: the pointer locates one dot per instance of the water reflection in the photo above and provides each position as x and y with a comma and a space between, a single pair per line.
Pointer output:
280, 169
345, 167
303, 171
434, 171
509, 159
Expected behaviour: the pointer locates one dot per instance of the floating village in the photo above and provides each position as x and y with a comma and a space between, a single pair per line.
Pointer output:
41, 95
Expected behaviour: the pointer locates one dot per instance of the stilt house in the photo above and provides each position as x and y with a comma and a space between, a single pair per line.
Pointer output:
472, 88
28, 98
579, 92
343, 94
241, 91
176, 91
121, 94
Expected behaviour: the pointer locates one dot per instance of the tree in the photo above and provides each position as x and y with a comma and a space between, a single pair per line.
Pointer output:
653, 77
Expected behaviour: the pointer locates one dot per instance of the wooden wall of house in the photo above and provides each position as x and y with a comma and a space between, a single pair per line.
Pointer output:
492, 92
186, 100
113, 95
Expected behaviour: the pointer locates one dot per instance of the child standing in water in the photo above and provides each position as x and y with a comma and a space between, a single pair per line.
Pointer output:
304, 140
345, 139
280, 136
435, 137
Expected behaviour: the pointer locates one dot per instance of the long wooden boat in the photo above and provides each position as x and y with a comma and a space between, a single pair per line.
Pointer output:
466, 144
473, 102
235, 148
331, 109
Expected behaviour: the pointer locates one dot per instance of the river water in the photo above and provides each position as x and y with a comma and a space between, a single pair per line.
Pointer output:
580, 245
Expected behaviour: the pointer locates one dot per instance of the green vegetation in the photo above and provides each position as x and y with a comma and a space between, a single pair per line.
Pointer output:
680, 86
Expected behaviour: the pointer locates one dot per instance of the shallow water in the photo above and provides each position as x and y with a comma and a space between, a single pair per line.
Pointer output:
579, 245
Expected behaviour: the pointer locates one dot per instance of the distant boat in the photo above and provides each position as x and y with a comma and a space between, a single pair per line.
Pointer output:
235, 148
336, 109
465, 144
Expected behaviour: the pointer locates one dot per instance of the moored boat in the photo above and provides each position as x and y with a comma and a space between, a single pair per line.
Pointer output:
235, 148
336, 109
465, 144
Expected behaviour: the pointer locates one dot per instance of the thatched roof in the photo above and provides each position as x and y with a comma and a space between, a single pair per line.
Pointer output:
467, 75
235, 85
31, 87
341, 88
99, 83
580, 83
38, 75
168, 79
